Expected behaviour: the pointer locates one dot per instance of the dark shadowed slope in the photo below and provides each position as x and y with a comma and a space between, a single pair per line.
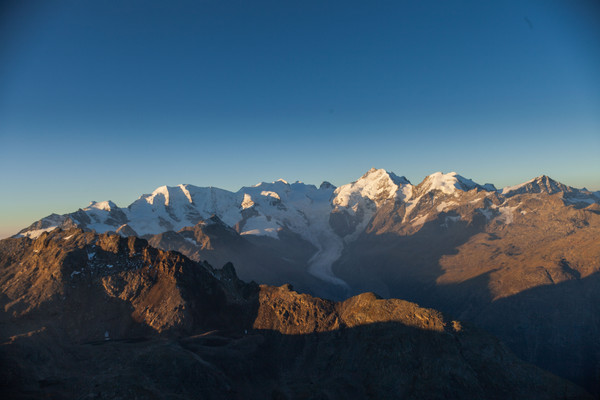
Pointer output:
529, 276
101, 316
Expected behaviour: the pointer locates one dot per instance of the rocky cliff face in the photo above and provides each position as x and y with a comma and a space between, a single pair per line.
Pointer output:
101, 316
94, 284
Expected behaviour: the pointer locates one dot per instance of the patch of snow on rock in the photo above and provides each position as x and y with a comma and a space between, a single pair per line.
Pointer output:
445, 205
101, 205
37, 232
506, 214
267, 193
247, 202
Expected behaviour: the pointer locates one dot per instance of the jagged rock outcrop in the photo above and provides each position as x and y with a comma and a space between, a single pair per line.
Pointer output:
92, 284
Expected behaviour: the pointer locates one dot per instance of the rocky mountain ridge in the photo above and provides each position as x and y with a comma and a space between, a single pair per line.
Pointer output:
101, 316
266, 208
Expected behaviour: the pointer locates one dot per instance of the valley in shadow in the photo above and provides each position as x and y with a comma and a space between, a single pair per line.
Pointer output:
375, 361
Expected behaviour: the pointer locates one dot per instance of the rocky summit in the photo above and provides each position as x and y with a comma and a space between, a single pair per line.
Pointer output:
100, 316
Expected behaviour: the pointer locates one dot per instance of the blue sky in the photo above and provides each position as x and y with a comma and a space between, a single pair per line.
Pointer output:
111, 99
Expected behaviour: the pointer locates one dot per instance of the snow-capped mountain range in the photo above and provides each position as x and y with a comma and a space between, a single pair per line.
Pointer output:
325, 216
266, 208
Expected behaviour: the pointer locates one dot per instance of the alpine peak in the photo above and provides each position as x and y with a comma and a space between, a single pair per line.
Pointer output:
449, 183
378, 185
102, 205
279, 182
377, 174
326, 185
540, 184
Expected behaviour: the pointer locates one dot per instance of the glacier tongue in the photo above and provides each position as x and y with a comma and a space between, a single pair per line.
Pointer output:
330, 248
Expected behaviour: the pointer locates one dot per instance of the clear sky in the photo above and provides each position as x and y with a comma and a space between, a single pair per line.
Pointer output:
110, 99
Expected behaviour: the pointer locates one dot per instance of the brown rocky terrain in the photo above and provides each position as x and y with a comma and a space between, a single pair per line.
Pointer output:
527, 272
101, 316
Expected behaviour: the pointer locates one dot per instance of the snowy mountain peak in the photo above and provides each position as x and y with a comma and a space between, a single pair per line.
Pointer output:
377, 174
279, 182
449, 183
102, 205
378, 185
551, 185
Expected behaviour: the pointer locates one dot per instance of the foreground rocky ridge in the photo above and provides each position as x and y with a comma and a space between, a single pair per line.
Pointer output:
101, 316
